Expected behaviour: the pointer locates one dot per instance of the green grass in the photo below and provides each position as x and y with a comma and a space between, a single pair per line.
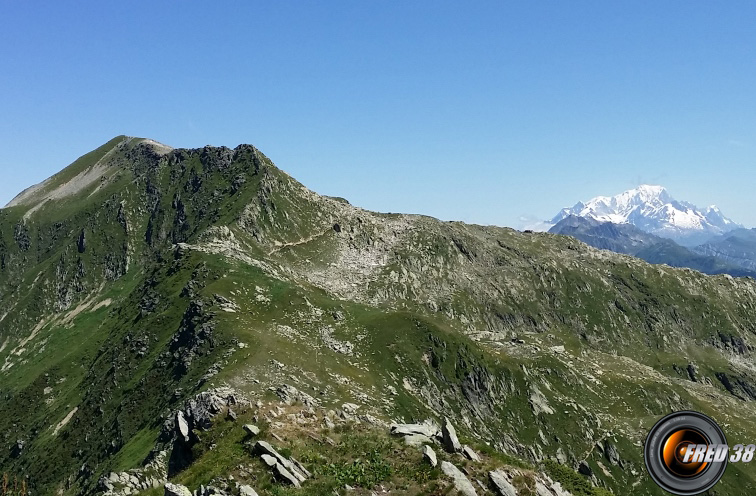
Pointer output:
410, 336
572, 481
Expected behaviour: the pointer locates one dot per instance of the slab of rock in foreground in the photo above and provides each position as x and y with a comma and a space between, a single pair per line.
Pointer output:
430, 455
252, 430
182, 426
284, 468
427, 429
301, 468
470, 454
176, 490
501, 483
247, 491
449, 436
461, 482
284, 475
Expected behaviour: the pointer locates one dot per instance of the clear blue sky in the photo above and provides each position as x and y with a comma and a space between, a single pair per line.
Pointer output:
477, 111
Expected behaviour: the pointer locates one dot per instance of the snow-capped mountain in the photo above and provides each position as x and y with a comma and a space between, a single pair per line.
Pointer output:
652, 209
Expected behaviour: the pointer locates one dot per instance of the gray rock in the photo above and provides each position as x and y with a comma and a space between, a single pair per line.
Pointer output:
611, 453
284, 475
558, 490
182, 426
210, 491
430, 455
501, 483
265, 448
470, 454
427, 429
269, 460
542, 490
561, 457
176, 490
247, 491
449, 436
461, 482
252, 430
204, 407
290, 395
693, 372
301, 468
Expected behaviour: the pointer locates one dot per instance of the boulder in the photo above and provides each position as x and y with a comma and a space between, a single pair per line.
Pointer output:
264, 448
284, 475
470, 454
252, 430
449, 436
461, 482
182, 426
427, 429
501, 483
204, 407
176, 490
290, 395
430, 455
611, 453
247, 491
301, 468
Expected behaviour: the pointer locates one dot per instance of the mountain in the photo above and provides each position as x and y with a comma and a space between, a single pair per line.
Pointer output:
653, 210
169, 316
628, 239
736, 247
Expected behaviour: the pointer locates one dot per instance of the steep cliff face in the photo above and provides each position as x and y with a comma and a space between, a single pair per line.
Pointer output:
142, 275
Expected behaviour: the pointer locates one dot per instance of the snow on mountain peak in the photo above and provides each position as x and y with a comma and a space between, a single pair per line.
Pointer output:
652, 209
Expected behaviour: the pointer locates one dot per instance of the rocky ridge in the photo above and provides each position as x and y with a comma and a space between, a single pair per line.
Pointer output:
183, 271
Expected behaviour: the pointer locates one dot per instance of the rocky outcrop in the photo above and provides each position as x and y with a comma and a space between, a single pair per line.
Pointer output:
430, 456
470, 454
251, 430
153, 475
501, 483
199, 412
449, 434
284, 469
427, 429
461, 483
290, 395
177, 490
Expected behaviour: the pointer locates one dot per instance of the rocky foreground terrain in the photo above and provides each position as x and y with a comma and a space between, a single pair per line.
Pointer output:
178, 321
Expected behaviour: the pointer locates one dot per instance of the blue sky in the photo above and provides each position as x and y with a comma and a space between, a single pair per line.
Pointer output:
475, 111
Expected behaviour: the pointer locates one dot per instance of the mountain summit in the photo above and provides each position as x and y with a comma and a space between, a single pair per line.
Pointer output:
196, 321
654, 210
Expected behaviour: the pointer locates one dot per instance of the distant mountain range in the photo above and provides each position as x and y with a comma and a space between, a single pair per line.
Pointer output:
653, 210
648, 223
628, 239
736, 247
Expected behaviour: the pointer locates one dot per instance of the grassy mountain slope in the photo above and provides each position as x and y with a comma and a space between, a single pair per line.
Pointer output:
179, 270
